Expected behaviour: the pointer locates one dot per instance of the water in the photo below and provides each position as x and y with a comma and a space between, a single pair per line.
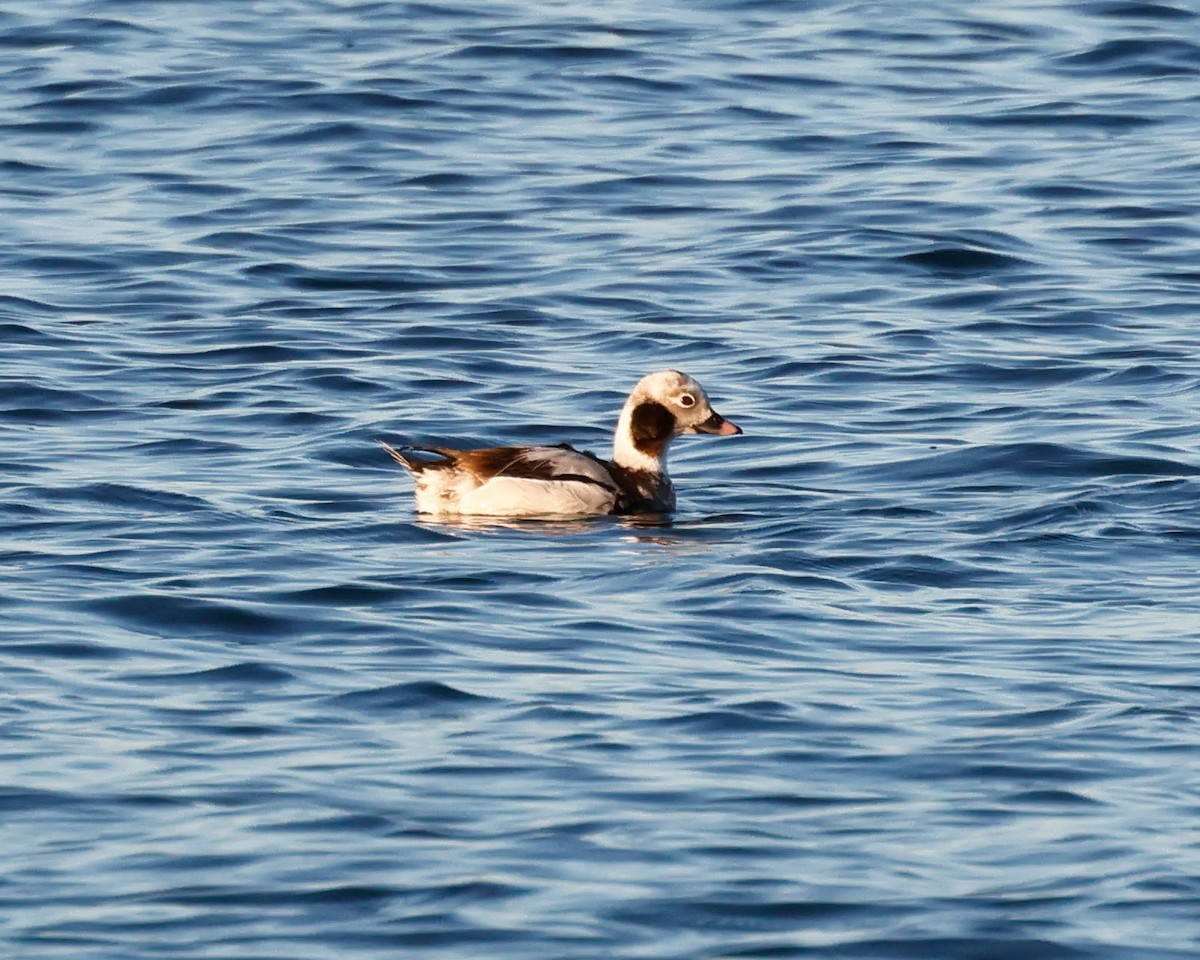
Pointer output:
910, 675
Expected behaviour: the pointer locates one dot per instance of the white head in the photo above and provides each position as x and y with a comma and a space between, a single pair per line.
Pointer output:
661, 407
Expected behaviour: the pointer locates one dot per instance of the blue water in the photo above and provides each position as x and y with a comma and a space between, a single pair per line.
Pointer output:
911, 674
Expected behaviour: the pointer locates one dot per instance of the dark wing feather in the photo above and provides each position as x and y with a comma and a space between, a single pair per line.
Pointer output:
538, 463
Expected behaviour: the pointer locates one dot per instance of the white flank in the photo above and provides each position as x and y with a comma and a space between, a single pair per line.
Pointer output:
522, 497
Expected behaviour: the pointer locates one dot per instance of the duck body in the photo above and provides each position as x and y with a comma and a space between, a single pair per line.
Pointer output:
559, 482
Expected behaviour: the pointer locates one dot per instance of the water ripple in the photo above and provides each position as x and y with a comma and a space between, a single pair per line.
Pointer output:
908, 673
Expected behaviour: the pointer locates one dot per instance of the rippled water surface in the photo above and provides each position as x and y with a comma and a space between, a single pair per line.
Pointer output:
911, 674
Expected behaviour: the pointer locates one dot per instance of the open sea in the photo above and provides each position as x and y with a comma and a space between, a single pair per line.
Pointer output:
912, 674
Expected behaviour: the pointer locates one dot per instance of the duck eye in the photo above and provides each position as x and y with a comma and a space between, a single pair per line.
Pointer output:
687, 400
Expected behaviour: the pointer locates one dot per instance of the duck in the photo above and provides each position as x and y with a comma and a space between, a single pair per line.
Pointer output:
560, 482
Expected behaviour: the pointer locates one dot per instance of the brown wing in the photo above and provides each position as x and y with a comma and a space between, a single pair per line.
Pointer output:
537, 463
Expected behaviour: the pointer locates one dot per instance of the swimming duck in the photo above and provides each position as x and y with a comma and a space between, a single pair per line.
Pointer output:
562, 481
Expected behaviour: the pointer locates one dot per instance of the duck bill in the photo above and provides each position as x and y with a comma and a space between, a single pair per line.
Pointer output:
718, 425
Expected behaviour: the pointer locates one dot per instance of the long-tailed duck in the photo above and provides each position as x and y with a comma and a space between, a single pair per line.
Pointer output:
562, 481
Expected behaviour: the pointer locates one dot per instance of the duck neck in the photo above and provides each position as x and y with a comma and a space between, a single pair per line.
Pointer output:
644, 431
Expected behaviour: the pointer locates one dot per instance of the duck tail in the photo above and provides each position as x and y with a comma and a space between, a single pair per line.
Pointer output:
397, 455
416, 464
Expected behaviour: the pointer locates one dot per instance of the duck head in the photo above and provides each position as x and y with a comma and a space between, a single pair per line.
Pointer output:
661, 407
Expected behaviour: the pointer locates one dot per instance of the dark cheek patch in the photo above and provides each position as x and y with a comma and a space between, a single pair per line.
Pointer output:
652, 425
